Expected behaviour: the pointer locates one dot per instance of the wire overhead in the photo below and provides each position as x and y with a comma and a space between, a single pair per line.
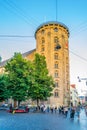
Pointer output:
56, 10
19, 36
15, 9
78, 56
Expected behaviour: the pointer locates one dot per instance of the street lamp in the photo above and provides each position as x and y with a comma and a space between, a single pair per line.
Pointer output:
80, 79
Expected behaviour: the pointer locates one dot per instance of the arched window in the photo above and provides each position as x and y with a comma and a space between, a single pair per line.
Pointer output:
56, 56
42, 48
43, 40
56, 65
56, 93
49, 34
63, 36
42, 31
56, 40
56, 83
56, 74
55, 29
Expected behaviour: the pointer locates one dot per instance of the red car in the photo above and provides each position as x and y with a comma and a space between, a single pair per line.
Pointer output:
19, 110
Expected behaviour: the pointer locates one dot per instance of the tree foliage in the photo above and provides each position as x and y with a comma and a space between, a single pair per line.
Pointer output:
28, 79
4, 92
42, 84
0, 58
18, 70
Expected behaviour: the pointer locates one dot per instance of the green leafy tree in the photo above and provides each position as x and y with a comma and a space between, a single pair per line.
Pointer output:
18, 70
42, 84
0, 58
4, 92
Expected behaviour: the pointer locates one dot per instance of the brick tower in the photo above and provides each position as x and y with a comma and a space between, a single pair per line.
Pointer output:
52, 42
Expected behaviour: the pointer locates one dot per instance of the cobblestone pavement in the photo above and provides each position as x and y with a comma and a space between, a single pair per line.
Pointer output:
41, 121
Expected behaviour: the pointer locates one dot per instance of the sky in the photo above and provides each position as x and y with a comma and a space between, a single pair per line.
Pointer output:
22, 17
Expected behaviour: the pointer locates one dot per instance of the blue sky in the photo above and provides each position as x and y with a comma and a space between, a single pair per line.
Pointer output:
22, 17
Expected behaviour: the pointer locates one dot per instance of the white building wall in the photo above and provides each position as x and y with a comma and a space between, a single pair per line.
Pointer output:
73, 96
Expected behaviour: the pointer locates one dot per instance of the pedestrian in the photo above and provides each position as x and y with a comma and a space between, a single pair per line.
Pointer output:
55, 109
72, 113
51, 109
44, 108
59, 109
11, 108
27, 109
86, 110
65, 111
62, 110
41, 107
48, 109
78, 111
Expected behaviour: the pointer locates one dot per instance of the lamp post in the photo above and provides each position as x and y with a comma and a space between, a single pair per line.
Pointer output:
80, 79
85, 94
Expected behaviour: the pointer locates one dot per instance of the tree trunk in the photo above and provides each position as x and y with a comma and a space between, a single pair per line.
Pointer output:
37, 104
19, 103
15, 103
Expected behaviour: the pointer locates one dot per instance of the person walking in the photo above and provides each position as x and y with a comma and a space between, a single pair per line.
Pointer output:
48, 109
78, 111
72, 113
51, 109
55, 109
11, 108
65, 111
86, 110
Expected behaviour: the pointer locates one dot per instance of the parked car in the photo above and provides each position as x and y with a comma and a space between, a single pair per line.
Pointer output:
4, 107
20, 109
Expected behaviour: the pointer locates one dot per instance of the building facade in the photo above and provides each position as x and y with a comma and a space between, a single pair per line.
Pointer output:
52, 42
74, 95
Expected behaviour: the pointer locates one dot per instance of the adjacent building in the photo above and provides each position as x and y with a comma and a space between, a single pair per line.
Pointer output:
73, 95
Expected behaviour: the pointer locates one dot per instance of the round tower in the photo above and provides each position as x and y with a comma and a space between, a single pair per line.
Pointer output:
52, 42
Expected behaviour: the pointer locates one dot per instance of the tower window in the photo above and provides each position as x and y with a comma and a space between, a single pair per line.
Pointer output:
42, 49
56, 74
49, 33
43, 40
56, 65
56, 56
43, 31
56, 94
55, 29
56, 84
63, 36
56, 40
